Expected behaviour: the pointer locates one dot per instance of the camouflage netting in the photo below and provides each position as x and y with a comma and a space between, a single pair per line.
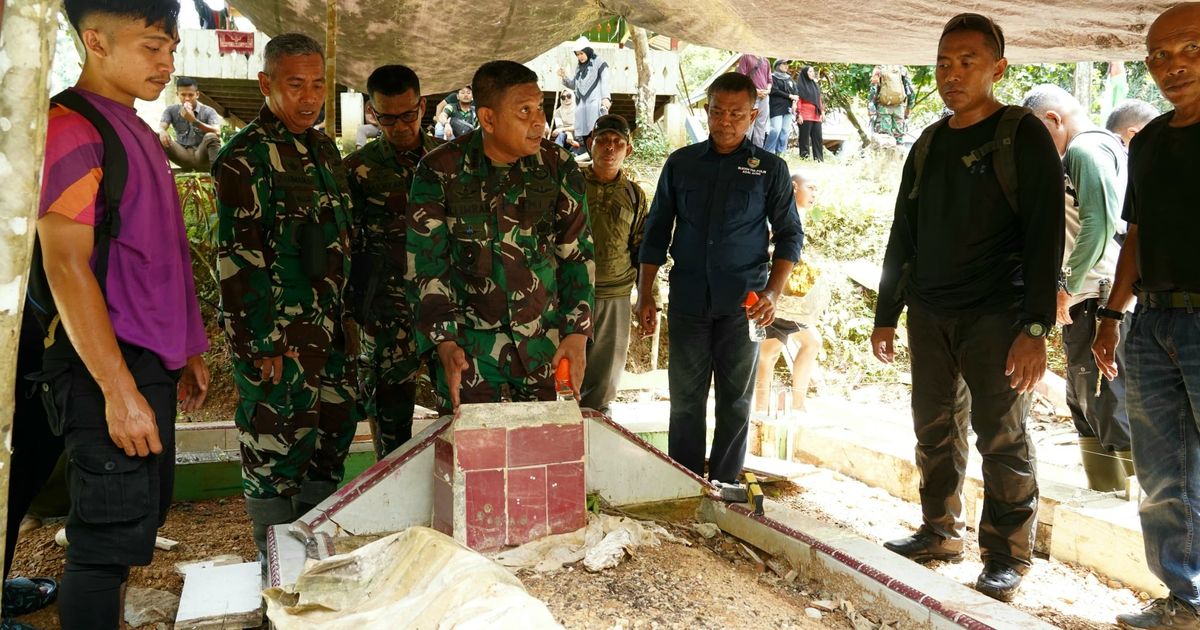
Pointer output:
446, 40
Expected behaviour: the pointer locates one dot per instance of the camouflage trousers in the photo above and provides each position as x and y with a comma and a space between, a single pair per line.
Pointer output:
387, 381
499, 368
890, 120
295, 434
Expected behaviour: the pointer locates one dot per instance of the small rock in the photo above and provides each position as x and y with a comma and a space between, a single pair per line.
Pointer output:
824, 605
813, 613
707, 530
60, 537
146, 606
1115, 584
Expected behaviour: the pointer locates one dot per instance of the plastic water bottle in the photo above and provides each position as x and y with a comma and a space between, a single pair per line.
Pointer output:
757, 333
562, 380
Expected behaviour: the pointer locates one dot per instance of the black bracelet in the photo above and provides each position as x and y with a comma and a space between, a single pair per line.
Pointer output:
1109, 313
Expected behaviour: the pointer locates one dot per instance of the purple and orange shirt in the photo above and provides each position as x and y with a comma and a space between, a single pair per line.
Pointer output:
150, 292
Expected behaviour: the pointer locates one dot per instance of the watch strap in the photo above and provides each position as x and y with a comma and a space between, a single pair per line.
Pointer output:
1109, 313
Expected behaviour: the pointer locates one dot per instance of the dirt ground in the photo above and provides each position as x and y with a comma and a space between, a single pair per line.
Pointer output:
203, 529
1067, 596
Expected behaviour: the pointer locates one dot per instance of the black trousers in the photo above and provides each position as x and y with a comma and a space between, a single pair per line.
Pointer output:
809, 140
35, 449
974, 349
118, 502
1100, 416
718, 351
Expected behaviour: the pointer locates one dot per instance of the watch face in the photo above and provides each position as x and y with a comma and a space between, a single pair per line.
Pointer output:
1035, 329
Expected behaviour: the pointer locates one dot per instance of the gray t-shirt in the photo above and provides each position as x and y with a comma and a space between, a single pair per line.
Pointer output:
187, 134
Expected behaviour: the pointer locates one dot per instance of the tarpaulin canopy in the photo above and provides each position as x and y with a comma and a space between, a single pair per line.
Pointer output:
445, 40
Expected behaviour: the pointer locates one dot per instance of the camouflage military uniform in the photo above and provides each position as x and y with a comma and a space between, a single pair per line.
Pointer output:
499, 261
891, 120
380, 178
284, 261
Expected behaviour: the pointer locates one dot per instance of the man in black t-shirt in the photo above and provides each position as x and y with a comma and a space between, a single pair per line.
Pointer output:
1158, 266
974, 253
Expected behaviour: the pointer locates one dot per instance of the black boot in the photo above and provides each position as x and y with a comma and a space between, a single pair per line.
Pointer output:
999, 581
926, 546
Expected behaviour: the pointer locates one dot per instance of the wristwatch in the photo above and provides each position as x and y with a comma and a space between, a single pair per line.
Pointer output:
1109, 313
1037, 330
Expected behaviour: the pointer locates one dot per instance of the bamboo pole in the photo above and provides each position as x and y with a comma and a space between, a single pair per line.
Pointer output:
27, 34
331, 68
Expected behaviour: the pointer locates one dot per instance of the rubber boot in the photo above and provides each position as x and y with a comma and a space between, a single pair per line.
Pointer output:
1104, 472
1126, 458
267, 512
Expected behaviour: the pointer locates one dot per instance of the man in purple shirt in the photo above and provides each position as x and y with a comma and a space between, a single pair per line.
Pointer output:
759, 71
133, 338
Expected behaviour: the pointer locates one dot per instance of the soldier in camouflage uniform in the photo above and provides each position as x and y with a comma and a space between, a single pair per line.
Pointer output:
284, 261
381, 174
890, 100
500, 252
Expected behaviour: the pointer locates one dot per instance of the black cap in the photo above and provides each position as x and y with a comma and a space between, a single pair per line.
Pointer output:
613, 123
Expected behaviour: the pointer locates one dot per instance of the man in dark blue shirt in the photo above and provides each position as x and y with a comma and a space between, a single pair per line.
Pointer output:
712, 207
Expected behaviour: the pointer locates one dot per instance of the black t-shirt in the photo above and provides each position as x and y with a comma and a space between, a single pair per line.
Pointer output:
975, 254
1161, 202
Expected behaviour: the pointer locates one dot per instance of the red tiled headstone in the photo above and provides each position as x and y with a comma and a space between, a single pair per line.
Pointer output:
509, 473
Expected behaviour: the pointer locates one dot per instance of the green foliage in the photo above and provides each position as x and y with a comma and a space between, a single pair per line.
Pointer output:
697, 63
650, 144
198, 199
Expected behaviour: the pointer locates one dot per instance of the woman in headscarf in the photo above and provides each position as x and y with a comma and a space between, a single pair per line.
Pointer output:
562, 129
592, 96
810, 112
782, 102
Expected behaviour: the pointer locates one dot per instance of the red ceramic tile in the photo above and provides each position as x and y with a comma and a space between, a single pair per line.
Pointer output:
443, 507
545, 444
443, 460
478, 449
485, 509
566, 505
526, 504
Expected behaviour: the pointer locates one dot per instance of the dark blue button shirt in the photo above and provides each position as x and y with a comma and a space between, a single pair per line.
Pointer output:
713, 212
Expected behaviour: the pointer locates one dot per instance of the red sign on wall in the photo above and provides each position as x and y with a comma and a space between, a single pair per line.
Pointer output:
235, 42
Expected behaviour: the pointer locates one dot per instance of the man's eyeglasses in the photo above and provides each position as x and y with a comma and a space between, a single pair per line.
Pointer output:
387, 120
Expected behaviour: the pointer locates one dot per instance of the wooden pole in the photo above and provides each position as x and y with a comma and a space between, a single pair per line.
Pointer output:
331, 68
27, 35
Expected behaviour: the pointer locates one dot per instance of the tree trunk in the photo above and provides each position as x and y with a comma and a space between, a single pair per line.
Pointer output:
644, 99
27, 35
843, 103
1083, 85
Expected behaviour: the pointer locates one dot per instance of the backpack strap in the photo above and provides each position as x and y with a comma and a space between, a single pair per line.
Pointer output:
921, 155
115, 165
116, 173
1004, 162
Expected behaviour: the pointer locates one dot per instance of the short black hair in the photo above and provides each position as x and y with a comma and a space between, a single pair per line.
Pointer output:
982, 24
393, 80
1130, 113
493, 79
183, 82
289, 45
734, 82
151, 12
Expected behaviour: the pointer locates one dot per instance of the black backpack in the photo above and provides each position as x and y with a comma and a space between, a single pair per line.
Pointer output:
38, 299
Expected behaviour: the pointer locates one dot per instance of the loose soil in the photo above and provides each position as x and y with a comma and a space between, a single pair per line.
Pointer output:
203, 529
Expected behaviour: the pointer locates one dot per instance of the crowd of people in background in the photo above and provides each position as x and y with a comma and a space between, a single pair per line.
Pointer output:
484, 253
